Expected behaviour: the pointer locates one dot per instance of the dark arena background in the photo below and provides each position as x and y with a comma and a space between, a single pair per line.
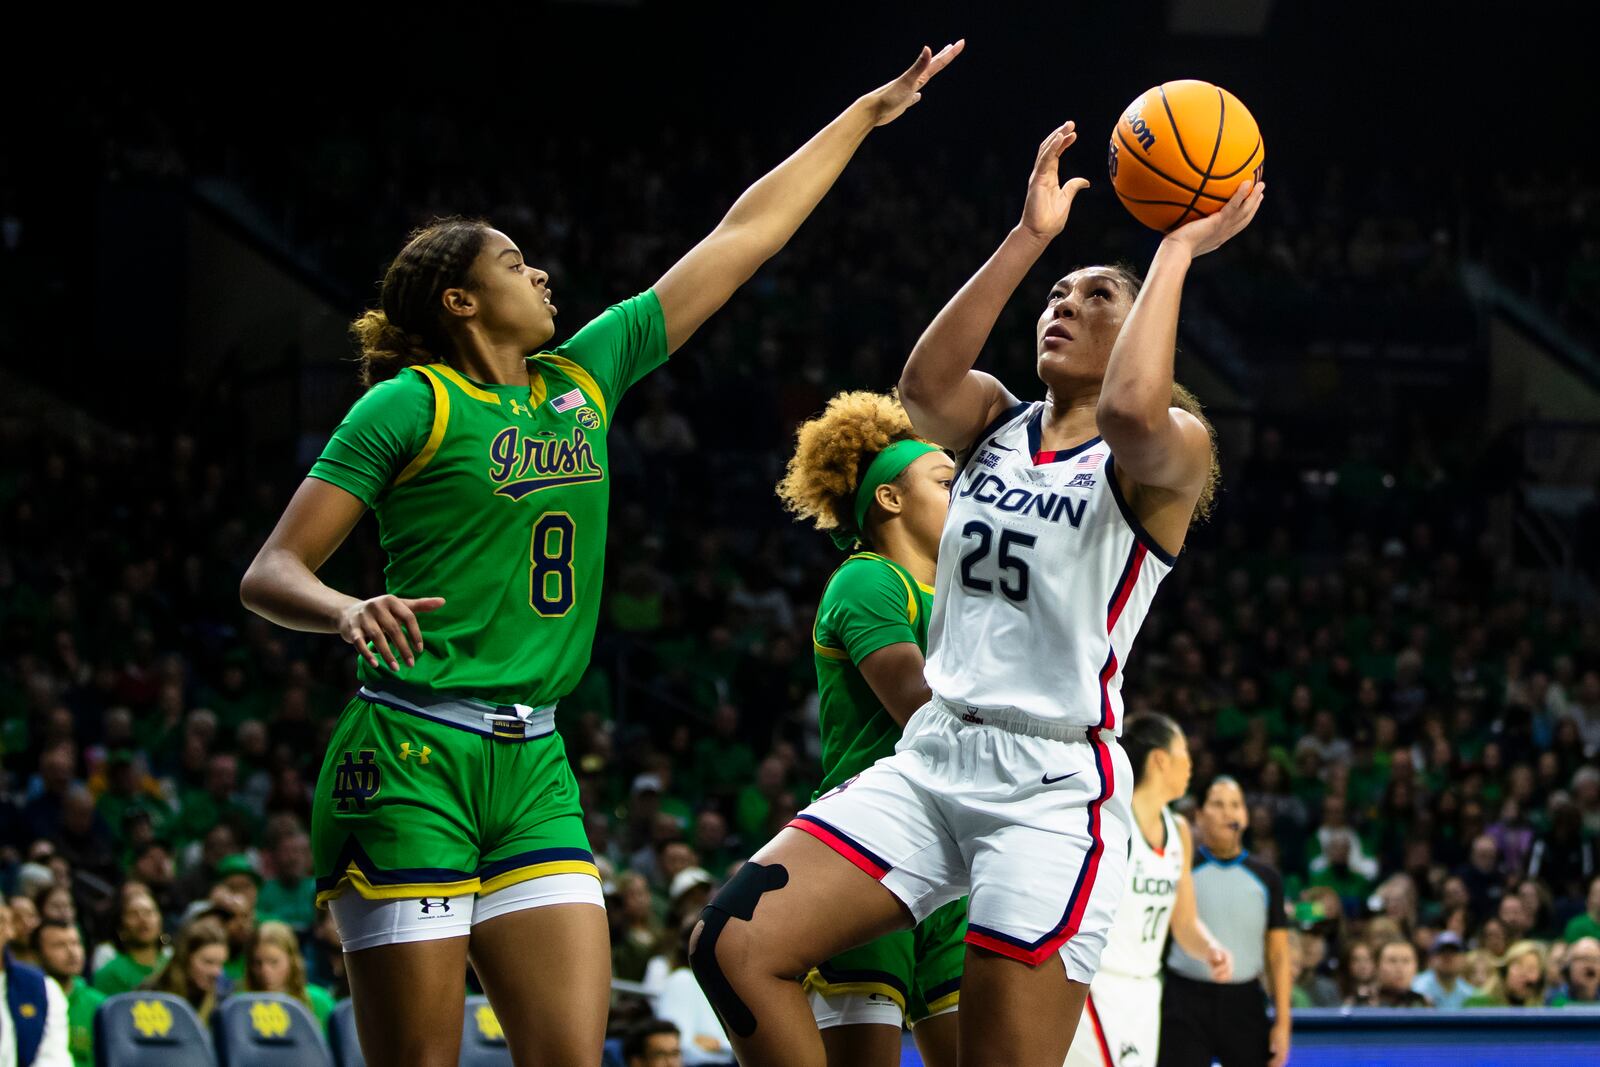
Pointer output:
1388, 632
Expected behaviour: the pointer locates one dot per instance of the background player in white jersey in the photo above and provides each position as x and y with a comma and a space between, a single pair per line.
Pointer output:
1121, 1022
1009, 780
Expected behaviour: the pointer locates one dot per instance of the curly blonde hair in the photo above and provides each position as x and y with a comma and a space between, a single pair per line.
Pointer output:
832, 452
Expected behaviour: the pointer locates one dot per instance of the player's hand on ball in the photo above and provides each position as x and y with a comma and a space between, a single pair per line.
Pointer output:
1220, 961
388, 622
1044, 213
890, 102
1213, 231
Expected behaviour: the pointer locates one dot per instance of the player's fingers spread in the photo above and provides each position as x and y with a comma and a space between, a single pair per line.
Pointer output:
358, 637
394, 630
1075, 186
384, 650
409, 622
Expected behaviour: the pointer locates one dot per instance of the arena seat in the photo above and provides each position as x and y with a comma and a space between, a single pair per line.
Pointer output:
342, 1036
149, 1030
483, 1043
268, 1030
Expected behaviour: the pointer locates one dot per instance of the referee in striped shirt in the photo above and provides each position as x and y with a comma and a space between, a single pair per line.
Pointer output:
1240, 899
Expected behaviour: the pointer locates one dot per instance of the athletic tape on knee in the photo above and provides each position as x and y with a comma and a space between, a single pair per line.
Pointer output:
737, 900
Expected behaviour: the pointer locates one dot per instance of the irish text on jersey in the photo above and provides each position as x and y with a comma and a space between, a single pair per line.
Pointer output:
525, 463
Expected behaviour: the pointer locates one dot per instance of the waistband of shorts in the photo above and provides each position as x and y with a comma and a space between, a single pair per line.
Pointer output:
1014, 721
506, 722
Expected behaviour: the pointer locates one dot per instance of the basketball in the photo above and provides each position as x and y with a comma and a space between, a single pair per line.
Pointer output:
1180, 150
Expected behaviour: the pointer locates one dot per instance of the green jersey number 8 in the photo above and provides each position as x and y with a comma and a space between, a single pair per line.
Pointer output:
550, 583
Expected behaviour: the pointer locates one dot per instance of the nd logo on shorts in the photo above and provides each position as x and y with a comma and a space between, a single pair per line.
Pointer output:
356, 780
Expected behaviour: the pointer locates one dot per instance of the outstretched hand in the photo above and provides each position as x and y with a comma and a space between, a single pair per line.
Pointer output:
1213, 231
890, 101
1044, 214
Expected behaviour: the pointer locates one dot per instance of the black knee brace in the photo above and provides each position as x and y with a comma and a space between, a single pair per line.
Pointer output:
737, 900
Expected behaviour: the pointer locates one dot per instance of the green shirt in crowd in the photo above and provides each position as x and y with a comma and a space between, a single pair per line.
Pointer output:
124, 973
292, 902
81, 1003
1581, 926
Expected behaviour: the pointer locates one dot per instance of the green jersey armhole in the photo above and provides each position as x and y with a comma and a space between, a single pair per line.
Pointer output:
828, 651
441, 419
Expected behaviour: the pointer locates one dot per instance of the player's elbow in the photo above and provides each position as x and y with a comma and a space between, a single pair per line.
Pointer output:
1121, 418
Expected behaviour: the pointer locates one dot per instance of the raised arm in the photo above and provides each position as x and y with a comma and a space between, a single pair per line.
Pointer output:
1188, 930
770, 211
1156, 444
949, 402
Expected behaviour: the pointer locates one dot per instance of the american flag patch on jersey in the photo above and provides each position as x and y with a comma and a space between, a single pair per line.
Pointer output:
1092, 457
568, 400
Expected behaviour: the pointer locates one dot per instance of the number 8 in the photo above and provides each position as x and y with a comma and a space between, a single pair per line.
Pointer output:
551, 563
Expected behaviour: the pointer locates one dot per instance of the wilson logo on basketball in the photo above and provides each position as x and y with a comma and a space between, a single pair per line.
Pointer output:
1141, 132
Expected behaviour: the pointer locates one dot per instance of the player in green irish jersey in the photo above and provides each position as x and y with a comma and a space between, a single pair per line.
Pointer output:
446, 823
860, 473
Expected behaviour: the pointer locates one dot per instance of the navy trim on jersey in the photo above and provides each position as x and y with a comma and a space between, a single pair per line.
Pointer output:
1077, 901
1133, 520
1036, 433
983, 438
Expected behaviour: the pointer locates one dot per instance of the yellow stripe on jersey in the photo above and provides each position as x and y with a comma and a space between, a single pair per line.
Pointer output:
815, 983
828, 653
949, 1000
585, 382
538, 870
911, 596
367, 889
441, 417
465, 386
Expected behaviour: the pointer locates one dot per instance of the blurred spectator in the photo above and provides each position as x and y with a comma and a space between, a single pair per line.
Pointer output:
1442, 983
195, 970
1582, 985
1312, 987
1396, 972
140, 946
276, 966
1517, 982
635, 930
683, 1003
1358, 973
1586, 924
23, 917
290, 894
60, 949
25, 992
652, 1044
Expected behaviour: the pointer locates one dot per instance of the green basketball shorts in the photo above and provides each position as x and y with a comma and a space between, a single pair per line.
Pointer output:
911, 974
459, 809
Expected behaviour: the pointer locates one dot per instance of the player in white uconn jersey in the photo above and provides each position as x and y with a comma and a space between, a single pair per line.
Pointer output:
1121, 1022
1009, 783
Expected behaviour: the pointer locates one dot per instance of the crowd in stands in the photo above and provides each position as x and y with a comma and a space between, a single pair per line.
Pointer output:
1416, 721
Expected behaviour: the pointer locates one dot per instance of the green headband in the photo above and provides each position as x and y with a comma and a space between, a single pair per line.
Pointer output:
886, 466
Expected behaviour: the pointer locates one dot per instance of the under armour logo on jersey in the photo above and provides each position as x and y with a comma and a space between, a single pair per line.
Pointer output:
356, 781
519, 408
422, 754
428, 906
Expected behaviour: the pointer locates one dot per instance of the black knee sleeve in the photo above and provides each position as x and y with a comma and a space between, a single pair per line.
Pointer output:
737, 900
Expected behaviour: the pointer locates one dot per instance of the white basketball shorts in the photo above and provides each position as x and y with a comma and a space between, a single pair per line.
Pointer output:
1120, 1025
364, 923
1034, 828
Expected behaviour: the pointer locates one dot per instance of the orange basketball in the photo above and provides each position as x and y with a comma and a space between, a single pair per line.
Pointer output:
1180, 150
